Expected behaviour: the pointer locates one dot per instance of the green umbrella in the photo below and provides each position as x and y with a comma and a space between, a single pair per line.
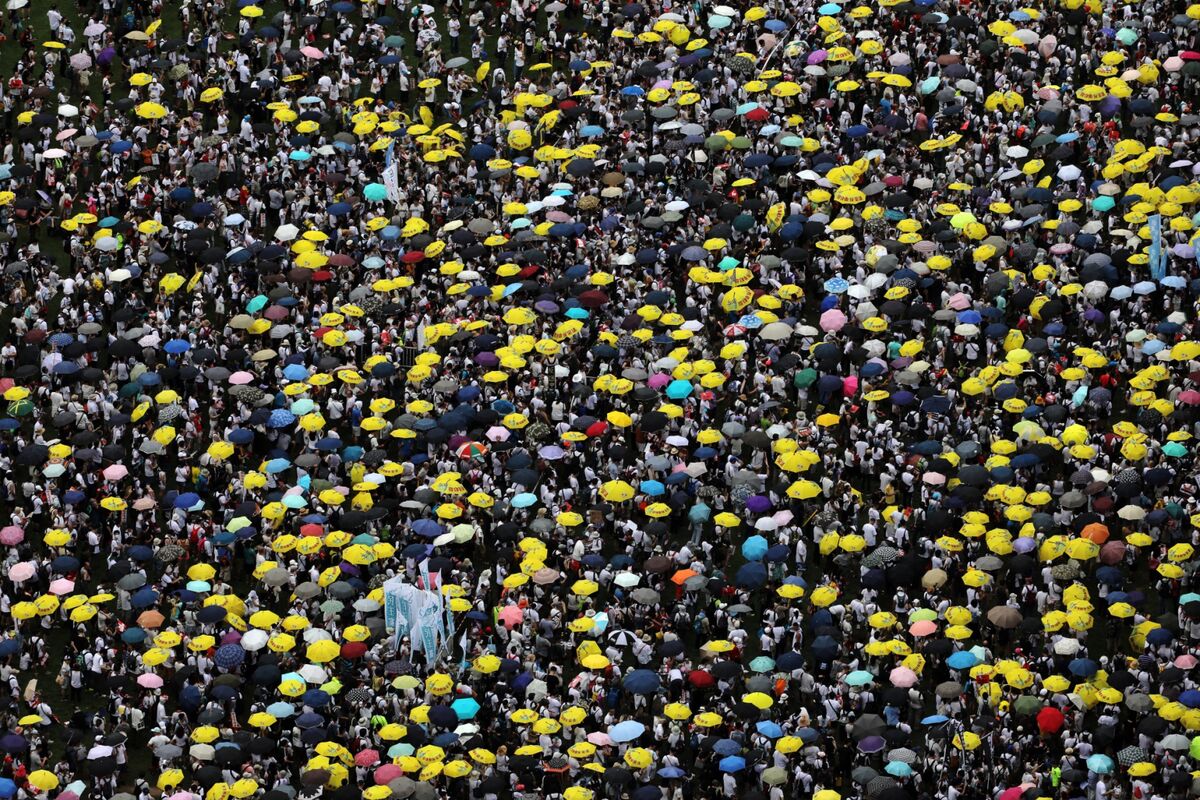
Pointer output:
1026, 704
20, 408
1174, 449
805, 377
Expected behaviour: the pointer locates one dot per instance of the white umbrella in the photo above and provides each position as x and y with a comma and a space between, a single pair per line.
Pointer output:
286, 233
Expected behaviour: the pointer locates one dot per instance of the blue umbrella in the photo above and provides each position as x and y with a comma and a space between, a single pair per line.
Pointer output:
465, 707
652, 488
769, 729
898, 768
186, 500
1100, 764
626, 731
642, 681
144, 598
732, 764
375, 192
963, 659
752, 575
229, 656
754, 548
524, 500
727, 747
281, 710
280, 418
679, 389
128, 636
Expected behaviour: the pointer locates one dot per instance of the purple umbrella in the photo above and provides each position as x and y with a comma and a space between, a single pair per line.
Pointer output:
758, 504
106, 55
872, 744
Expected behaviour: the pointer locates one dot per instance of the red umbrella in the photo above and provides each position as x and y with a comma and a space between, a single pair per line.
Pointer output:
354, 649
1050, 720
700, 679
312, 529
366, 758
596, 428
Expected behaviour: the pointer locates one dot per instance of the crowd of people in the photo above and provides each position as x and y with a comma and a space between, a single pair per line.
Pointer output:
782, 400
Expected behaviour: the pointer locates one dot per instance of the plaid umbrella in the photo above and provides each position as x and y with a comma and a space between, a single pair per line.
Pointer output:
1131, 755
881, 556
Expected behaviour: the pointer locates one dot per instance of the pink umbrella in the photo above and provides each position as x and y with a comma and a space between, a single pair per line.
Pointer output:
658, 380
311, 52
366, 758
923, 627
62, 586
1173, 64
144, 503
276, 313
511, 615
934, 478
387, 773
833, 320
240, 377
1186, 661
958, 301
22, 571
177, 796
903, 676
148, 680
1048, 45
115, 472
1189, 397
1112, 552
12, 535
599, 738
850, 385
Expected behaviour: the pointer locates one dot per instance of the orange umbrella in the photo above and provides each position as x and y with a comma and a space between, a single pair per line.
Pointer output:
1096, 531
679, 577
150, 619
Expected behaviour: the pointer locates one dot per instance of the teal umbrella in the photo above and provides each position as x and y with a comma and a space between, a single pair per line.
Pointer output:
860, 677
1175, 450
762, 664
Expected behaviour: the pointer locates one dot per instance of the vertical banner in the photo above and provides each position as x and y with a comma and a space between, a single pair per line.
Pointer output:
391, 175
1158, 259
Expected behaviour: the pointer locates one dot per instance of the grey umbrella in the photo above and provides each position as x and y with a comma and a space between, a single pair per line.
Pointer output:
868, 725
646, 597
948, 690
1005, 617
863, 775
